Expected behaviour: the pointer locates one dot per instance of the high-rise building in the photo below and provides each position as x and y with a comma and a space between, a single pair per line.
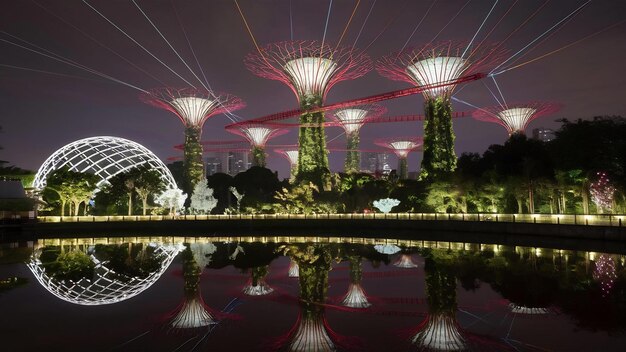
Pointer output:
230, 163
375, 163
544, 134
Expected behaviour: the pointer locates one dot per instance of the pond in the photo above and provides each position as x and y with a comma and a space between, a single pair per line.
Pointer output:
307, 294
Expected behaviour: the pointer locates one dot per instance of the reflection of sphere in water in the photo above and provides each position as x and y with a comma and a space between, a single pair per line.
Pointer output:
106, 286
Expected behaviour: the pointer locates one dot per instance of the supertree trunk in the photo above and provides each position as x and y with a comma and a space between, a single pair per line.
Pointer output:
257, 285
355, 297
258, 156
353, 159
312, 152
439, 156
403, 168
193, 165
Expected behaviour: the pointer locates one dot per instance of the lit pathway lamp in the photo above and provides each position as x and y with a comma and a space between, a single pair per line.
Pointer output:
258, 135
310, 69
401, 146
515, 117
193, 107
435, 65
351, 120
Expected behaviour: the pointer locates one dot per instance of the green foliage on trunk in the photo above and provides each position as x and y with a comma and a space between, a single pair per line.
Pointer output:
439, 157
312, 153
193, 165
353, 158
258, 156
440, 283
403, 168
356, 271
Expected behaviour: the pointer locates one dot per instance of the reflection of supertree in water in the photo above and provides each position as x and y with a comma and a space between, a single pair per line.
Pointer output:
257, 286
604, 273
405, 261
440, 331
294, 269
311, 332
355, 297
193, 313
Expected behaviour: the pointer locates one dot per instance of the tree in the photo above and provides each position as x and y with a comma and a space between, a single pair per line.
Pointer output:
202, 200
172, 199
148, 182
71, 188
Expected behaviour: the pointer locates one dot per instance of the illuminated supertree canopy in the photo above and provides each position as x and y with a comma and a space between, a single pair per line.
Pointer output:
257, 286
355, 297
405, 261
193, 107
401, 146
257, 135
602, 192
351, 120
430, 65
291, 154
310, 69
515, 117
103, 285
104, 157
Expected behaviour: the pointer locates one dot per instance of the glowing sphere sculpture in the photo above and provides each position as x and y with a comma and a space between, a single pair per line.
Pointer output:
351, 120
193, 107
515, 118
436, 66
106, 286
401, 146
102, 156
310, 69
257, 135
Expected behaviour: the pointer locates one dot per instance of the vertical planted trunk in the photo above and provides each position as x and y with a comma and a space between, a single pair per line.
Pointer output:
312, 153
353, 159
403, 168
193, 166
258, 156
439, 156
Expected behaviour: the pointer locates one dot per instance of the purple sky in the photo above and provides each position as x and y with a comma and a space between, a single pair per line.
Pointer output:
41, 112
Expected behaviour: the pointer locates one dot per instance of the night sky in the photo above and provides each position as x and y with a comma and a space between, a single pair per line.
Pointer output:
40, 112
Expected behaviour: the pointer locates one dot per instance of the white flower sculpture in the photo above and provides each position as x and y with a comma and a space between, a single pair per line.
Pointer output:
385, 205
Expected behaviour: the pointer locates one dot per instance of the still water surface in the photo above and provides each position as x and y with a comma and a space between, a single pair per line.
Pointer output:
287, 294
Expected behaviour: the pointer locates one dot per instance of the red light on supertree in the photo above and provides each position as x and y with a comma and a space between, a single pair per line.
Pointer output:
516, 117
602, 192
310, 69
257, 135
401, 146
193, 107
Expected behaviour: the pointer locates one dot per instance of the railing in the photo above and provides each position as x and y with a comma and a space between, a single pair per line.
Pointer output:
563, 219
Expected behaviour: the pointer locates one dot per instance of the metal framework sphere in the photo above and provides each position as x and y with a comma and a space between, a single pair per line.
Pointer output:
103, 156
106, 286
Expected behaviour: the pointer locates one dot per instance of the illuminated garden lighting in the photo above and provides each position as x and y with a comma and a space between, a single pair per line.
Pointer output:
103, 156
310, 69
351, 120
106, 286
605, 274
515, 117
602, 192
257, 135
294, 269
193, 107
435, 65
401, 146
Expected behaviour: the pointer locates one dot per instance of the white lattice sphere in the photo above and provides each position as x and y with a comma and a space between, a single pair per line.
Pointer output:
103, 156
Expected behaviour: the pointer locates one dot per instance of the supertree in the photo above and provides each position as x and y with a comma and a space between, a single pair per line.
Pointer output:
515, 117
401, 146
194, 313
310, 69
436, 64
405, 261
257, 135
602, 192
257, 286
355, 297
291, 154
351, 120
193, 107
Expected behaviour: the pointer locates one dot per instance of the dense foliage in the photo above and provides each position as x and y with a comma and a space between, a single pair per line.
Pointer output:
439, 158
313, 156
